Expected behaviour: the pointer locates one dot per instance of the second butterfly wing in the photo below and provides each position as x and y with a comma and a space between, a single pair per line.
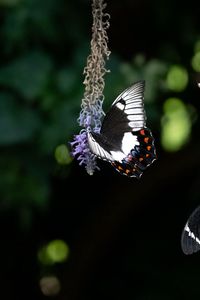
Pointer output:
190, 240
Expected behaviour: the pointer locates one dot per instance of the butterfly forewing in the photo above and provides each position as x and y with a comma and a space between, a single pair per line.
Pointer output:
190, 240
126, 113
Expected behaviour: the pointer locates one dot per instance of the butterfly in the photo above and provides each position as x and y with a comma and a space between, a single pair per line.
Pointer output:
190, 239
124, 140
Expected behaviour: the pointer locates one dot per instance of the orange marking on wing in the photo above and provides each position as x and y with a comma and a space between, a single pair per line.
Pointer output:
148, 148
127, 171
141, 159
119, 168
142, 132
147, 155
146, 139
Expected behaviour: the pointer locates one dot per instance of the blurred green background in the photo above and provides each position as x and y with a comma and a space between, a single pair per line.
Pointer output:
64, 233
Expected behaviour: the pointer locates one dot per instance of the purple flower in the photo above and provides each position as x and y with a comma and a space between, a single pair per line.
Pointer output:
91, 107
90, 119
80, 149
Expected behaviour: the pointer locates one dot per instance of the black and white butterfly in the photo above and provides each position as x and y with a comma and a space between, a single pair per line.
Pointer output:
190, 239
124, 140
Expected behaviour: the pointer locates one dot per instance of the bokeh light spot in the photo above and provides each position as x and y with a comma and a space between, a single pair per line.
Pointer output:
196, 62
43, 256
177, 78
62, 155
176, 125
50, 285
57, 251
197, 46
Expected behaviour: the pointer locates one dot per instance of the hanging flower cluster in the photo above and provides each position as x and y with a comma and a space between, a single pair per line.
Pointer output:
91, 107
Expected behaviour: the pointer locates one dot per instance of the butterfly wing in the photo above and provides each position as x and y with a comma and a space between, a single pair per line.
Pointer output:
99, 146
140, 157
126, 114
124, 139
190, 239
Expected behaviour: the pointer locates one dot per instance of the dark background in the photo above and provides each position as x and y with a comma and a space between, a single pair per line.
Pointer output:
123, 234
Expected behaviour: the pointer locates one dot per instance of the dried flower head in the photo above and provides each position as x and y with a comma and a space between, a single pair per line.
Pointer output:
91, 107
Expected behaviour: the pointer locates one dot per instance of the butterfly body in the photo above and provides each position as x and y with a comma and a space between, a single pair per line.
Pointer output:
124, 140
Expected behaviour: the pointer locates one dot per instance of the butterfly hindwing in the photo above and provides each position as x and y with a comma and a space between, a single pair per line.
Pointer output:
190, 239
140, 157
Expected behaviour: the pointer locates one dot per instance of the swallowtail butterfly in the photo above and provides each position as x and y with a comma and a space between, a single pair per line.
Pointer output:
190, 240
124, 140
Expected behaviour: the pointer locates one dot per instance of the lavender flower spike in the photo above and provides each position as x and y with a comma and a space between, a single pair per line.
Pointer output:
81, 150
91, 107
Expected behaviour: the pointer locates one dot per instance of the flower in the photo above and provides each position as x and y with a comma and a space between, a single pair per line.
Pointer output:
82, 152
91, 107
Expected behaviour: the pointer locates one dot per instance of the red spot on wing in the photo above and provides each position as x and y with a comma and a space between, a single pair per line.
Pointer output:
142, 132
